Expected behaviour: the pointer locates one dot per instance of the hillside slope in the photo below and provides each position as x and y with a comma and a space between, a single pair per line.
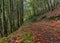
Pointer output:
39, 32
54, 13
43, 32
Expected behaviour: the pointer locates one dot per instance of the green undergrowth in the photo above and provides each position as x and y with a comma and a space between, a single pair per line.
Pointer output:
4, 40
26, 38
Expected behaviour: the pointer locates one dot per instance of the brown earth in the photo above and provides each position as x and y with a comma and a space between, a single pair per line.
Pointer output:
43, 31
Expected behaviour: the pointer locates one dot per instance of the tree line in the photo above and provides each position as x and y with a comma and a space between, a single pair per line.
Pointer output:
14, 13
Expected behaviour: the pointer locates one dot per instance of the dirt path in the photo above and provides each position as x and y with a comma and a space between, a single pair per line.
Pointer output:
43, 32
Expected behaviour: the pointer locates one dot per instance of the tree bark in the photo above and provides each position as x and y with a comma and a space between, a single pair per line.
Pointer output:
21, 12
3, 20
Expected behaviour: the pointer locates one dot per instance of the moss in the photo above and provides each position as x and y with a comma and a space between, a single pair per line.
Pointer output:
27, 37
4, 40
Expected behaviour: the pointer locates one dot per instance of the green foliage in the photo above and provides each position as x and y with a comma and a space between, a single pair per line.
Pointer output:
27, 37
4, 40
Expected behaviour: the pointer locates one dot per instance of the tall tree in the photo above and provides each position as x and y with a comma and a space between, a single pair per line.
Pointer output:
21, 12
11, 14
3, 20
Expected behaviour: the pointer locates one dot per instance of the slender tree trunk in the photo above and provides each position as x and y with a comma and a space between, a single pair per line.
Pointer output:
0, 19
18, 22
3, 20
11, 15
21, 12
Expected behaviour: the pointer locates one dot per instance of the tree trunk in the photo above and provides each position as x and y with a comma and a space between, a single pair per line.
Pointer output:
3, 20
11, 15
21, 12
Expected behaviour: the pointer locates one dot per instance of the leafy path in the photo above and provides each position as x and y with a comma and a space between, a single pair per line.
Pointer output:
42, 32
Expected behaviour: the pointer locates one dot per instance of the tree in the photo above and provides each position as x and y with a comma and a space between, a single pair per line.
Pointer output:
21, 12
4, 32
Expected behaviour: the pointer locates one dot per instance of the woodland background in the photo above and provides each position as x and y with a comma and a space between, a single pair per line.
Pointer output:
15, 13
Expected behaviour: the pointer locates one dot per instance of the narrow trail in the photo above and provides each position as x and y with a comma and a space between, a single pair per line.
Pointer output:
43, 32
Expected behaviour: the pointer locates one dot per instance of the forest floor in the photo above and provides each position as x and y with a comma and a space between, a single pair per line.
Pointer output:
38, 32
